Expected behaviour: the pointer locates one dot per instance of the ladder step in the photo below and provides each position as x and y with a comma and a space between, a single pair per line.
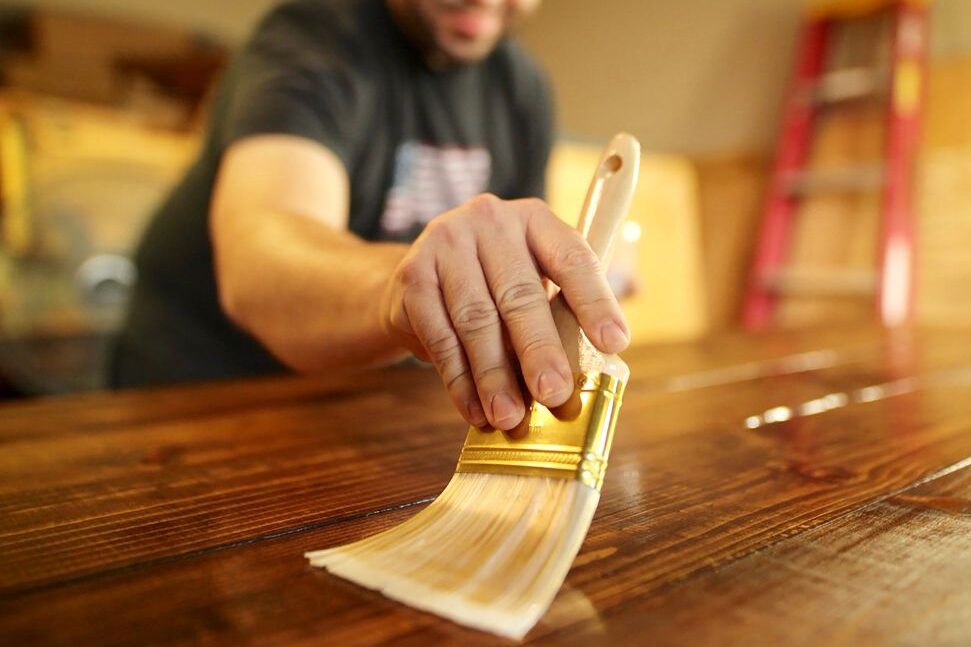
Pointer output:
850, 83
837, 180
821, 282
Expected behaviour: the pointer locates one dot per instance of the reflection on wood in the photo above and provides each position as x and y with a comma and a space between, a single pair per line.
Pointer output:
885, 574
181, 515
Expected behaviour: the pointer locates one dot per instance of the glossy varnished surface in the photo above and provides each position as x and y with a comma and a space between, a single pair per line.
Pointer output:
181, 515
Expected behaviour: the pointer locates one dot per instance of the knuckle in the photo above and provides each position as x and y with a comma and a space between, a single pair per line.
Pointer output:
412, 273
400, 322
487, 371
578, 258
539, 344
520, 297
454, 381
443, 349
593, 305
486, 206
475, 316
445, 230
485, 201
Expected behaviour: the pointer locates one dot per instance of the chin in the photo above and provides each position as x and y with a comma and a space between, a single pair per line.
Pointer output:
462, 52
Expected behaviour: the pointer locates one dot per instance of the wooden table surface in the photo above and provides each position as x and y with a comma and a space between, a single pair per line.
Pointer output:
794, 488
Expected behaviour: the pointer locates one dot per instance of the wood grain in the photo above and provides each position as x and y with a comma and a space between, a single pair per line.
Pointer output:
890, 573
102, 482
180, 515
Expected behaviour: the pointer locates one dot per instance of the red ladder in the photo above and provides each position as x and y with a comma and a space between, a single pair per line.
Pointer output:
814, 88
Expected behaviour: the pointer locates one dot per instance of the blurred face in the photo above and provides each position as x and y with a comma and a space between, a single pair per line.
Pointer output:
458, 31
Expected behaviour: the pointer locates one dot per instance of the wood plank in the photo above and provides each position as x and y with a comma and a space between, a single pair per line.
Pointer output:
107, 480
206, 546
892, 573
101, 482
138, 475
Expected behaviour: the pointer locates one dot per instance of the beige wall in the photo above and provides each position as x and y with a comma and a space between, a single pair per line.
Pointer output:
700, 77
692, 76
227, 19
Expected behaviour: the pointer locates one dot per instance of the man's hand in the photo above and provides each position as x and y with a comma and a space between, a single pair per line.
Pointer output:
468, 294
469, 297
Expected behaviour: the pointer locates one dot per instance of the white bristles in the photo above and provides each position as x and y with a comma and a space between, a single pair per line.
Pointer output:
490, 552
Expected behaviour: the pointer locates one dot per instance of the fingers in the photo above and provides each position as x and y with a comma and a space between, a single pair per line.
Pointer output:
478, 326
567, 259
447, 307
473, 286
444, 350
419, 321
399, 326
523, 305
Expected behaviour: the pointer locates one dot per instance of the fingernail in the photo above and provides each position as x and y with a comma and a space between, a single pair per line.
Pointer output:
551, 384
476, 414
614, 338
505, 413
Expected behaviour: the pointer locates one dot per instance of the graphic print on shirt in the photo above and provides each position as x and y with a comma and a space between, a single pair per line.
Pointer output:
429, 180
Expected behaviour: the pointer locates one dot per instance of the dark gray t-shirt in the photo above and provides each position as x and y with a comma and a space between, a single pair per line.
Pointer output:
415, 142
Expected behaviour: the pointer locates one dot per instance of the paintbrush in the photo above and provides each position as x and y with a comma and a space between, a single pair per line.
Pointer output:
494, 548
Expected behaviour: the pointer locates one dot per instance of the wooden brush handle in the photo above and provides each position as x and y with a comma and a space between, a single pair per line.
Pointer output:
610, 194
605, 208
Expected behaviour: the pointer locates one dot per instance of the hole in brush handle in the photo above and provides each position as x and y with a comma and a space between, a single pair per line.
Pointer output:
613, 164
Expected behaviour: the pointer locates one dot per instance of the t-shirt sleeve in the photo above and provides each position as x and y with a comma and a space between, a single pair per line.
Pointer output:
282, 83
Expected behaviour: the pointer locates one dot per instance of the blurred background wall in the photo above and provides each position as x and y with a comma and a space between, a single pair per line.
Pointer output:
230, 20
707, 79
697, 77
107, 110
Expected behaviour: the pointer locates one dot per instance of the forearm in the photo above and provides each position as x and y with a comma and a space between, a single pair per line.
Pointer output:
310, 293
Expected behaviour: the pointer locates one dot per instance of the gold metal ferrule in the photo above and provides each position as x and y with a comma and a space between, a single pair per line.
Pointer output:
571, 446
